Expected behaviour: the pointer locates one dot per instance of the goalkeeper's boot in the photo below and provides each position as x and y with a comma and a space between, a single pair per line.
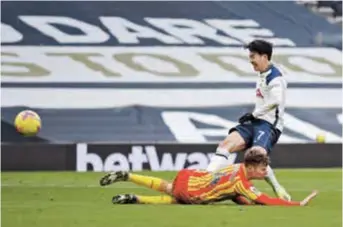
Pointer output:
124, 199
113, 177
282, 193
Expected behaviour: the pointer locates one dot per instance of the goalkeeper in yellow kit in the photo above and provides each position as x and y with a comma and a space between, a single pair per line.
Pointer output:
204, 187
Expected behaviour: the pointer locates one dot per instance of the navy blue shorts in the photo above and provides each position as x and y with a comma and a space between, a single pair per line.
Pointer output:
258, 133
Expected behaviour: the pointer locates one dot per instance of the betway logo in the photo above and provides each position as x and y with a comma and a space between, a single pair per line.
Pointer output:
136, 159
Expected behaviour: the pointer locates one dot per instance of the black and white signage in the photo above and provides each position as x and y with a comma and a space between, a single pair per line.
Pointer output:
149, 71
153, 157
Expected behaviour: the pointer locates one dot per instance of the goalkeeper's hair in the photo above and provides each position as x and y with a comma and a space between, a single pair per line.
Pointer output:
254, 157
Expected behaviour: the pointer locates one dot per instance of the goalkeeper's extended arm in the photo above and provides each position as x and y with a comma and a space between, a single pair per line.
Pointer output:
246, 189
266, 200
263, 199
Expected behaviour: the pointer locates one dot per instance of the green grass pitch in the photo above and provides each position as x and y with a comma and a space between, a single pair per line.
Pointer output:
69, 199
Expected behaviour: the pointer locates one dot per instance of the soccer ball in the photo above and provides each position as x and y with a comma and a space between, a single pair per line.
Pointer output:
27, 123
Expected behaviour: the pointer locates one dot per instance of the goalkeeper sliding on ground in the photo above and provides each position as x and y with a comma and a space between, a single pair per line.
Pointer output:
204, 187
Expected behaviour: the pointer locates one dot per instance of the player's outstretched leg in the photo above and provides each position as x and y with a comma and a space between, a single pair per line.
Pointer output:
154, 183
138, 199
271, 179
277, 188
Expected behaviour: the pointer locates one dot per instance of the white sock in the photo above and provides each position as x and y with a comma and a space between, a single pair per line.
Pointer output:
221, 159
232, 158
271, 179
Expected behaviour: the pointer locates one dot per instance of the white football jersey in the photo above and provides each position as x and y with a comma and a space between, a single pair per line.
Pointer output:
270, 97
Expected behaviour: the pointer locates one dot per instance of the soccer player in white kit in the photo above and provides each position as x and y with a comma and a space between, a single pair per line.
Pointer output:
264, 125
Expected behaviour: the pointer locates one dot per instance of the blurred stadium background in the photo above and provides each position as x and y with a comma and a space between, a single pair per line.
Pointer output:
156, 85
160, 72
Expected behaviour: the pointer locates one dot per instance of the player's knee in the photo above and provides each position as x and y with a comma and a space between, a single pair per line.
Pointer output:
232, 143
227, 145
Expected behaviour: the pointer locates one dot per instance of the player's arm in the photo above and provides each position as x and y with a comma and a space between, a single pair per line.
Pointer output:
249, 191
266, 200
276, 95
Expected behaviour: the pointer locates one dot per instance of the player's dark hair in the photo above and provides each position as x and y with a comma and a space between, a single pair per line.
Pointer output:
261, 47
255, 157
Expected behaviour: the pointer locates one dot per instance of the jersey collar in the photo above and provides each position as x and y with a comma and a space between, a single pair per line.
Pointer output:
267, 72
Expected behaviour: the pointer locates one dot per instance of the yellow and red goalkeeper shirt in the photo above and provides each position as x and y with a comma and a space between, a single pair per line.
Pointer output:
202, 187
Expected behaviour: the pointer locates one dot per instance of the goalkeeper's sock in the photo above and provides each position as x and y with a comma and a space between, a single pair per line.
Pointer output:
221, 159
154, 183
163, 199
271, 179
278, 189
